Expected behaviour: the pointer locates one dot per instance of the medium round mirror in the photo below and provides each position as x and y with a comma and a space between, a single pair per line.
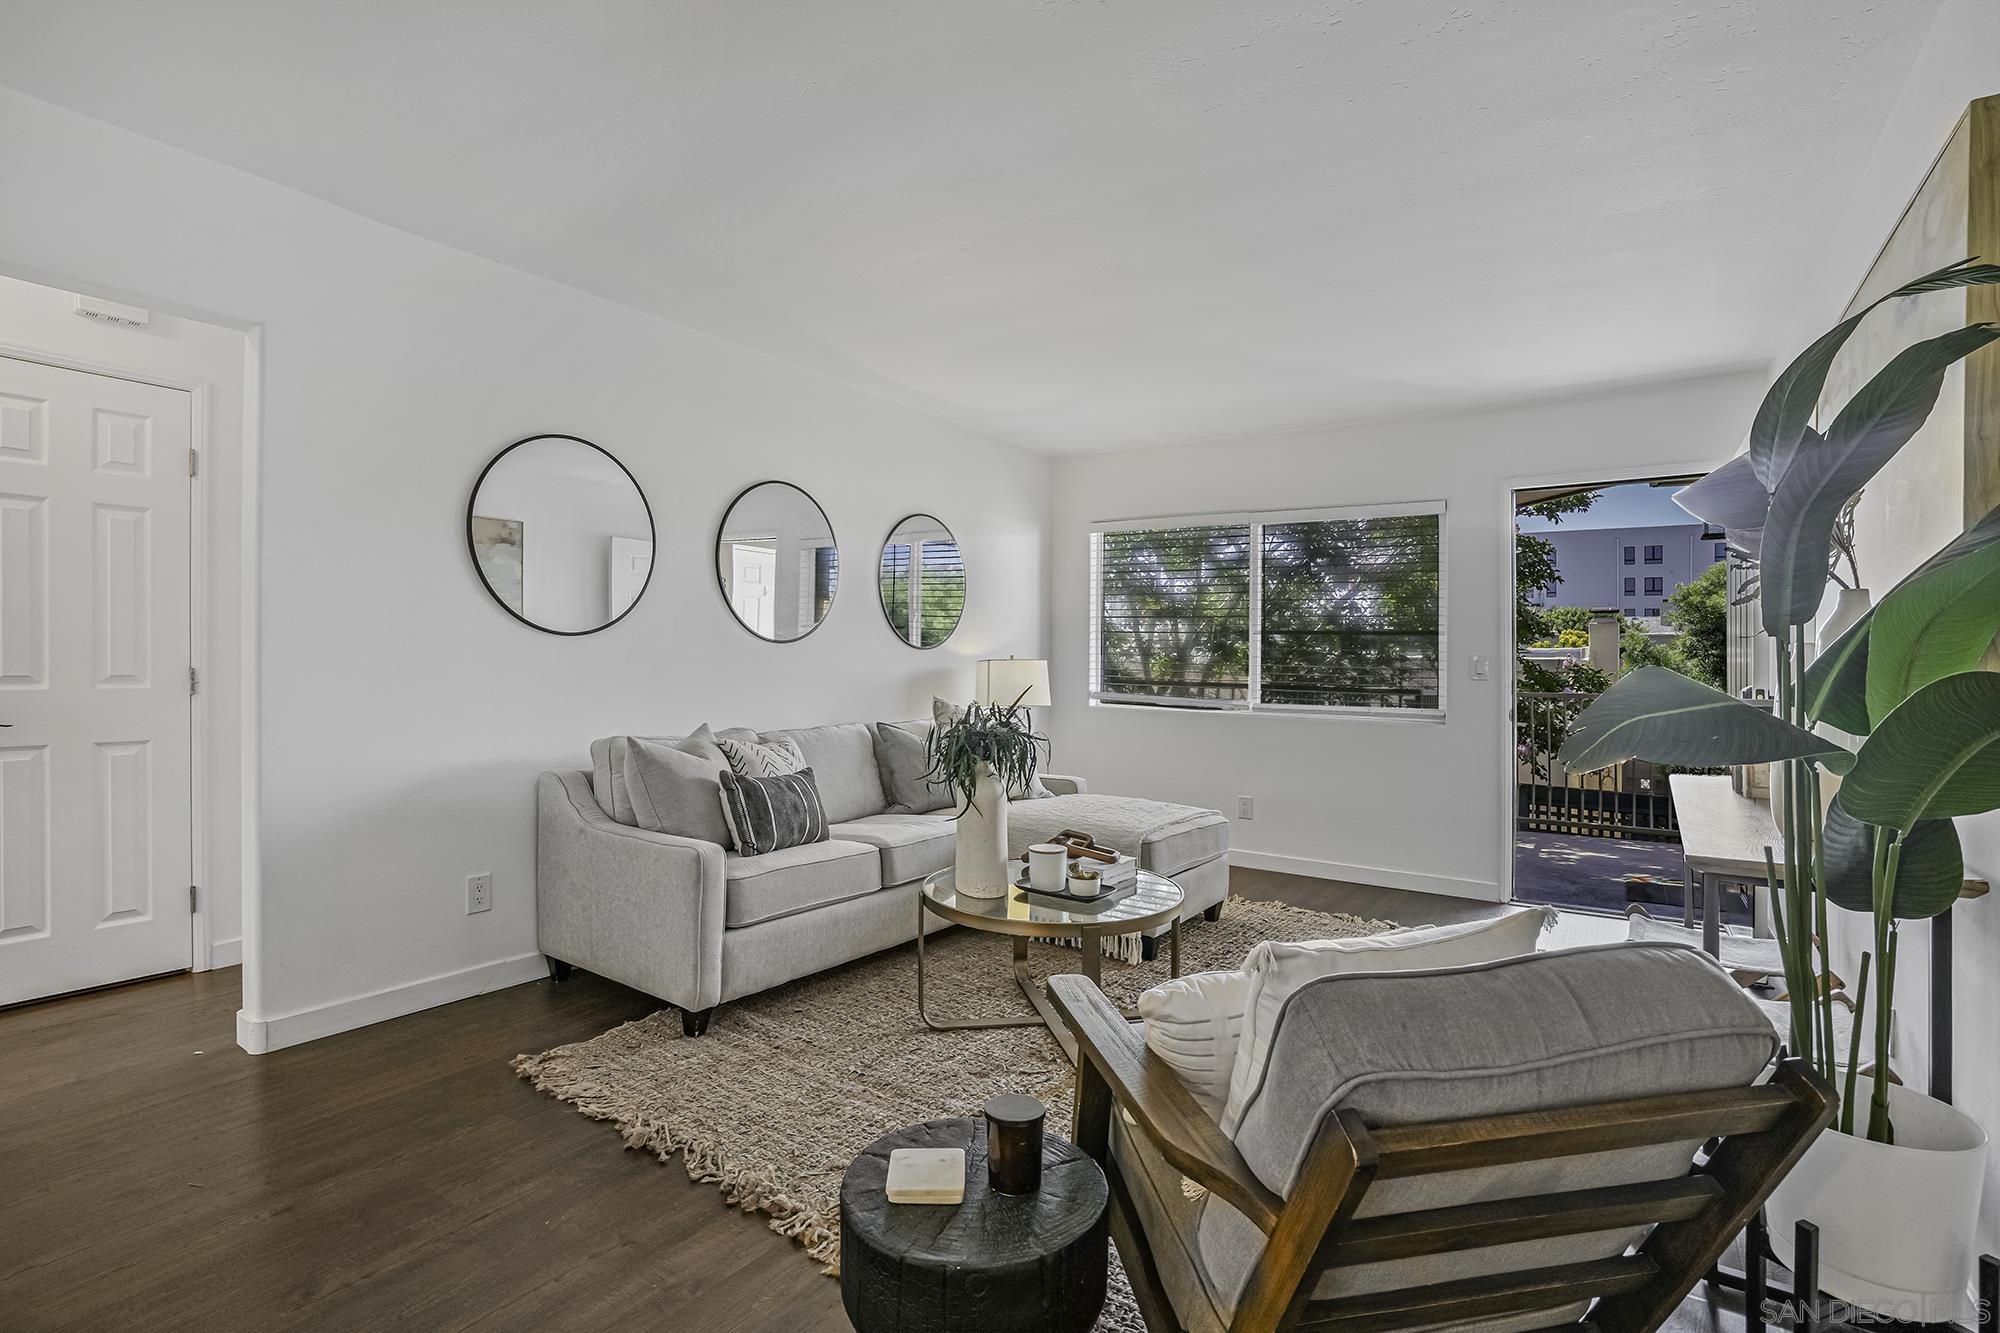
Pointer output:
922, 579
776, 561
561, 534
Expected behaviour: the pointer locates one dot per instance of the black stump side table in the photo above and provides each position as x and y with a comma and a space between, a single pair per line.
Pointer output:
1032, 1263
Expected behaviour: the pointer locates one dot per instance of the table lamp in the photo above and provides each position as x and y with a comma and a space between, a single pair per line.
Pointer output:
1007, 680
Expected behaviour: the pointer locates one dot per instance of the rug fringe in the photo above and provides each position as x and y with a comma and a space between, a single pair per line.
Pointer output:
574, 1075
752, 1188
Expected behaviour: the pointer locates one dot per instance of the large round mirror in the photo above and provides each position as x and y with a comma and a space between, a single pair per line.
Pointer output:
777, 562
922, 579
561, 534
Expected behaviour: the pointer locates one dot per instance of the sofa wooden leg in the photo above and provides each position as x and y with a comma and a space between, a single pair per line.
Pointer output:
1149, 948
559, 970
1212, 914
694, 1022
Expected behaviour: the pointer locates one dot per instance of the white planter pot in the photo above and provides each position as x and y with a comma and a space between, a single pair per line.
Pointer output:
980, 854
1895, 1220
1849, 606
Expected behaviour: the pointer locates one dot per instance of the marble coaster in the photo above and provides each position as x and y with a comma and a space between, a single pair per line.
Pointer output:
926, 1175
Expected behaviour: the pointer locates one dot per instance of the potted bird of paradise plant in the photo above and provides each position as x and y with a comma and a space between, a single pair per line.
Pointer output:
1865, 820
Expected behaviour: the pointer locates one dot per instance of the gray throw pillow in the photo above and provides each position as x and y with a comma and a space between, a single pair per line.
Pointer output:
902, 752
943, 713
766, 814
677, 788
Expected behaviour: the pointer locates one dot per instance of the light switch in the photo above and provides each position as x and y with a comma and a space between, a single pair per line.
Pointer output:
1480, 667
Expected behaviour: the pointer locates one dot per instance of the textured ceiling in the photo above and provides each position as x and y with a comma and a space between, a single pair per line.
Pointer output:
1069, 224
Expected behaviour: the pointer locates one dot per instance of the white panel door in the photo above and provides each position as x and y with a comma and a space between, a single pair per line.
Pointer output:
753, 586
95, 806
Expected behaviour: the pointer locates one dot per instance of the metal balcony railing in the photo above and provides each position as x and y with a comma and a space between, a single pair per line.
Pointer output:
1628, 800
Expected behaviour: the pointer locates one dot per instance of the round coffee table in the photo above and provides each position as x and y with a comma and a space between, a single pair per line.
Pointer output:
1030, 1263
1154, 901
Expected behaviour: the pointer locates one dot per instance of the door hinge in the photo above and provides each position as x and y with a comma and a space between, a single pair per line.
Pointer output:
194, 463
194, 681
194, 898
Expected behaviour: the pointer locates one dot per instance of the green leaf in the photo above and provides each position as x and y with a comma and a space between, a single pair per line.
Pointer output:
1875, 424
1937, 622
1731, 498
1937, 756
1929, 873
1663, 717
1834, 688
1778, 432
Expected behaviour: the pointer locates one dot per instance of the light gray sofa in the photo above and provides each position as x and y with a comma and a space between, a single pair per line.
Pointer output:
697, 925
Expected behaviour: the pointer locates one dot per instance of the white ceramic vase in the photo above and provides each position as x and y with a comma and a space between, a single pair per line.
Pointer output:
1848, 607
1896, 1221
980, 856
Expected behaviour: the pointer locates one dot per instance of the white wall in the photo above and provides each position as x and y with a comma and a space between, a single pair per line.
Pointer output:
404, 715
1404, 803
1956, 67
42, 321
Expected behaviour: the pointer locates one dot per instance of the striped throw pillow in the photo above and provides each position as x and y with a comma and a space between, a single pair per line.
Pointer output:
765, 814
754, 759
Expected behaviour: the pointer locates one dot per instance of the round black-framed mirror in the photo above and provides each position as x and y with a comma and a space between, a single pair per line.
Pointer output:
777, 561
561, 534
921, 580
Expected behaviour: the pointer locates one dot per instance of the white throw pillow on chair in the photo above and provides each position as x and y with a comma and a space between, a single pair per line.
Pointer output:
1193, 1023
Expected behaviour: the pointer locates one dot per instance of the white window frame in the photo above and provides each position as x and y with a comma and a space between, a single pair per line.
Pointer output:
1256, 520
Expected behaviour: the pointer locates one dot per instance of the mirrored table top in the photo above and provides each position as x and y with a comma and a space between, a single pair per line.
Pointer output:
1153, 899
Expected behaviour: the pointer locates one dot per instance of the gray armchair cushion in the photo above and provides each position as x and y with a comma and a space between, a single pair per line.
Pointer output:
796, 879
1538, 1031
902, 752
842, 758
912, 846
677, 788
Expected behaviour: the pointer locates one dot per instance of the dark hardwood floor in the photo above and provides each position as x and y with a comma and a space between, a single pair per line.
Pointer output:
152, 1176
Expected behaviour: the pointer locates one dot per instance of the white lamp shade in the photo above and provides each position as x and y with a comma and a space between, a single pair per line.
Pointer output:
1005, 680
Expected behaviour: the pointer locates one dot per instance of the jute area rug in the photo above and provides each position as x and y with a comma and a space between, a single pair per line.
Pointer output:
789, 1086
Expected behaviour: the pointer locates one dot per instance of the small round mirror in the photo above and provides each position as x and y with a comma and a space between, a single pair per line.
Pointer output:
777, 562
922, 581
561, 534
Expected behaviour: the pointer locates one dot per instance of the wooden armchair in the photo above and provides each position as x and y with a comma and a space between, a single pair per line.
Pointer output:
1340, 1249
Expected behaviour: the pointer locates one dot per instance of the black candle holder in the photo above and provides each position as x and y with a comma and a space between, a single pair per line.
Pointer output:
1014, 1144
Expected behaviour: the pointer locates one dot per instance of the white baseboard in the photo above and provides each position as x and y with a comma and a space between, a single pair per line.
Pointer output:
271, 1034
1479, 890
225, 953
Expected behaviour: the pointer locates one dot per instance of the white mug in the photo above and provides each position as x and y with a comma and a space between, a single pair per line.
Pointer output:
1047, 865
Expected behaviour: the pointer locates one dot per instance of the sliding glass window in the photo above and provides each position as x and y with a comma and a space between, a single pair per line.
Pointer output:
1314, 611
1173, 614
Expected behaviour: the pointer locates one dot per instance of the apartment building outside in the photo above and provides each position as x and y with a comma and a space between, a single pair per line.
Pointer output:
1633, 570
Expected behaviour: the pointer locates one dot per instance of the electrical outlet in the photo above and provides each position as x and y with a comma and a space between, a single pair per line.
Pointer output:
479, 892
1246, 807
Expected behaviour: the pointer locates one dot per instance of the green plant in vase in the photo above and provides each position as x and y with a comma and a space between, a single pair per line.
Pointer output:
981, 754
998, 736
1905, 679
